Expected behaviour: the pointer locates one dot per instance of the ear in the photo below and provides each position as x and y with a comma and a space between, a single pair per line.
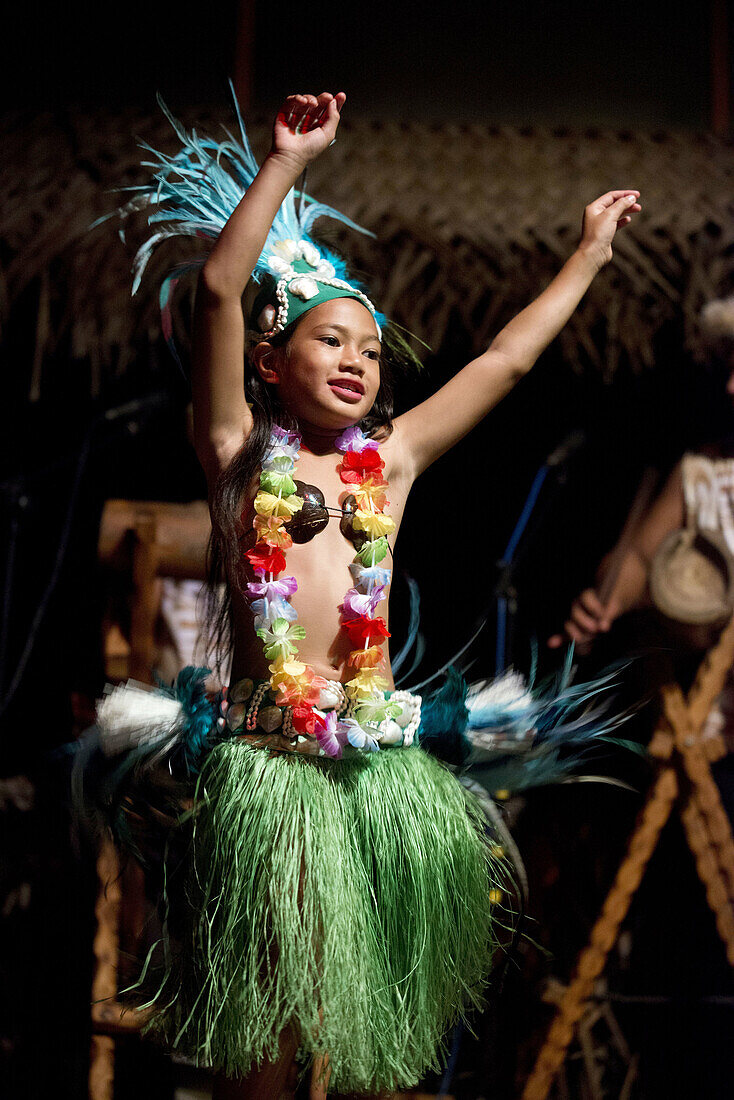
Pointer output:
266, 361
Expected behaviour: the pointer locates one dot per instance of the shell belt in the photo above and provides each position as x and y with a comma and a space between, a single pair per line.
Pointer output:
248, 712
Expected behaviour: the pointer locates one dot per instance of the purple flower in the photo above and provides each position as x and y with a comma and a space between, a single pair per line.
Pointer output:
354, 439
357, 604
286, 586
330, 735
282, 444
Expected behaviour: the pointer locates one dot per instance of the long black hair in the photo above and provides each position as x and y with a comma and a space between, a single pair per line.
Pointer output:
225, 573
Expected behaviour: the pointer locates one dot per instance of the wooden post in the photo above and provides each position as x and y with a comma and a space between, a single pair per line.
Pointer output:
683, 773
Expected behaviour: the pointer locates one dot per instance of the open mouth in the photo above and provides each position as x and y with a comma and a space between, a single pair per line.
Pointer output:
349, 391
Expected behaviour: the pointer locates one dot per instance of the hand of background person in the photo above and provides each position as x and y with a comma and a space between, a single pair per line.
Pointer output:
587, 619
602, 218
306, 125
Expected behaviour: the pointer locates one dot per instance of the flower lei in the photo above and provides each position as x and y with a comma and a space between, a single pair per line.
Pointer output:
294, 683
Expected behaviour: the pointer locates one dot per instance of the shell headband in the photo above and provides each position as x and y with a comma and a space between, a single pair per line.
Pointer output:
305, 278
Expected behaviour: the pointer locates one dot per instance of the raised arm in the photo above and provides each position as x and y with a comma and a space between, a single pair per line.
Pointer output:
435, 425
304, 127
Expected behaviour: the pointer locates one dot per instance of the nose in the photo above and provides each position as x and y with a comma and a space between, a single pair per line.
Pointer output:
351, 360
730, 385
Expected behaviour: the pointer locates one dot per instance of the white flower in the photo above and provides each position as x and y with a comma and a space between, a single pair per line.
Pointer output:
310, 254
303, 286
280, 267
357, 736
287, 249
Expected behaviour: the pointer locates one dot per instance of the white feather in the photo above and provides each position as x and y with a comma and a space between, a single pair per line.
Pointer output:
508, 692
131, 715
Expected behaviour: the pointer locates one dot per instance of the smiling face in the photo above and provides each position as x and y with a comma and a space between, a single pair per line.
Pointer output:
330, 373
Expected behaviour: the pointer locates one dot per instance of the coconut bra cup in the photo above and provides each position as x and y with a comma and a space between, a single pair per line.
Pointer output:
692, 585
313, 517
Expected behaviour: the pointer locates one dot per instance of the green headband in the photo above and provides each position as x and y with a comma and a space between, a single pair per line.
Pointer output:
301, 279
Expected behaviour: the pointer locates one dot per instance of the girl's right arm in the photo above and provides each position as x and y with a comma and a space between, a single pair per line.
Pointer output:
222, 419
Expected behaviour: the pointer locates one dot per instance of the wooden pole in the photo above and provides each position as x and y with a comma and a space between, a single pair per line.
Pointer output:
684, 757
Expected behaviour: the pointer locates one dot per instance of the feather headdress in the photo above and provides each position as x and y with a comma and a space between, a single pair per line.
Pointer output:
193, 194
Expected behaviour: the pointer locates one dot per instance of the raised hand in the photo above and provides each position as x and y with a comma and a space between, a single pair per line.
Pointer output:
602, 218
306, 125
588, 618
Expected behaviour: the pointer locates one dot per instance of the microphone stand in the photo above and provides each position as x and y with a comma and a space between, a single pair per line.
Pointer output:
505, 592
505, 596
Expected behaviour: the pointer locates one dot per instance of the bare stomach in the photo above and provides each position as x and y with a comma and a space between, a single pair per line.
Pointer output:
321, 569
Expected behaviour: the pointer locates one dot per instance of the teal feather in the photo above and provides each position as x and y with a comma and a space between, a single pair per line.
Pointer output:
201, 713
444, 717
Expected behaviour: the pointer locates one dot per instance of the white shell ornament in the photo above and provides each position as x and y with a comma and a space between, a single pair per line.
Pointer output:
330, 698
390, 733
310, 254
287, 249
325, 270
280, 267
303, 286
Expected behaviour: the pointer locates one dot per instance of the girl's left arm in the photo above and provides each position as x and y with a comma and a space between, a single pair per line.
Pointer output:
431, 428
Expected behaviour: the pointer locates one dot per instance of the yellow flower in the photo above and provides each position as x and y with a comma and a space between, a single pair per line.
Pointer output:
292, 680
373, 523
371, 495
285, 667
367, 681
271, 529
266, 504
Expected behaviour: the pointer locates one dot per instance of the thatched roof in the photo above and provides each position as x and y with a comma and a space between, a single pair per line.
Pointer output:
471, 222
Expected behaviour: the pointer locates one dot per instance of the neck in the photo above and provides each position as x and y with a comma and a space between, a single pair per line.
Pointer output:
316, 439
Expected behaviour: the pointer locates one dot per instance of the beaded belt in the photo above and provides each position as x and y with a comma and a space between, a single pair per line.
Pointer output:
249, 712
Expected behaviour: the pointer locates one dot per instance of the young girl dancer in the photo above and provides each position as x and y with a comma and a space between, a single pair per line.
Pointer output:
339, 902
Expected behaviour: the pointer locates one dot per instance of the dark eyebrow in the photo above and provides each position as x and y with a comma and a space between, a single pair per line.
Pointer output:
346, 332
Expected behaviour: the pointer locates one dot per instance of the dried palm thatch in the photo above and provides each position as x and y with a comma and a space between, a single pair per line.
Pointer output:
471, 222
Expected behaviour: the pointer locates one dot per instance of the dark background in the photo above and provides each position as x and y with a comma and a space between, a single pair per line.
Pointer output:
571, 64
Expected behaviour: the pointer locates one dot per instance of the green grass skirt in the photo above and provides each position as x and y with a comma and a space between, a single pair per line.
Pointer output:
347, 898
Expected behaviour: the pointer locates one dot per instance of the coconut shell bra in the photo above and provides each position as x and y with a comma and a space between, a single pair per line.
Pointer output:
313, 516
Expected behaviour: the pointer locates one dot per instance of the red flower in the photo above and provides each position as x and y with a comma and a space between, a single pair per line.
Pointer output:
361, 629
266, 559
356, 465
304, 719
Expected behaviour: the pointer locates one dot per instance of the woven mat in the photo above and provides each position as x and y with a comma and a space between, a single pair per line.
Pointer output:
471, 222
